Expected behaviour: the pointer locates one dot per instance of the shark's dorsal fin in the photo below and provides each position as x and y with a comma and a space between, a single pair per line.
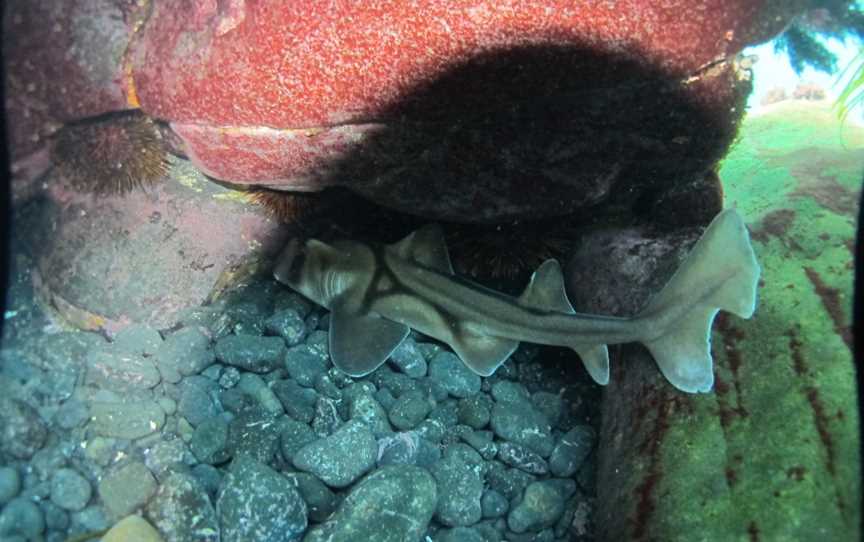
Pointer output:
482, 353
359, 343
427, 247
546, 289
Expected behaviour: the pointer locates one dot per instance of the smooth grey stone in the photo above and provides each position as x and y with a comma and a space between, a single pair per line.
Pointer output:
254, 433
571, 451
138, 338
71, 414
493, 504
460, 487
70, 490
298, 402
254, 386
167, 455
475, 411
126, 420
197, 401
22, 517
294, 436
504, 391
256, 503
251, 352
341, 458
523, 458
410, 409
320, 501
541, 505
509, 482
305, 364
22, 431
409, 359
229, 378
126, 488
209, 477
407, 448
56, 518
523, 424
459, 534
120, 370
453, 375
209, 443
393, 504
185, 352
365, 408
287, 324
182, 511
10, 483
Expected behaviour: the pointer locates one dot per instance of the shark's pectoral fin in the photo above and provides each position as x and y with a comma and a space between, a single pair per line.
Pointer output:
482, 353
426, 246
546, 289
359, 343
596, 361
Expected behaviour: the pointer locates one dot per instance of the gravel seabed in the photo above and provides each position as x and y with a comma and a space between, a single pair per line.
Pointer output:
235, 426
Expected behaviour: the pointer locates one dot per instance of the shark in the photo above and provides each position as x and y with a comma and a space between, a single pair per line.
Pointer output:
378, 293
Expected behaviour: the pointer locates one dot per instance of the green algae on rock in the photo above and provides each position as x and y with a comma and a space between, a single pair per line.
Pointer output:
773, 454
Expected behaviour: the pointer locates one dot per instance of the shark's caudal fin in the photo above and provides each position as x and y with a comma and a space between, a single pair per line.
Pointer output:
719, 273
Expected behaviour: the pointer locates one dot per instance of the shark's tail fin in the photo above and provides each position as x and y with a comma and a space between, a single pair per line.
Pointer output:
719, 273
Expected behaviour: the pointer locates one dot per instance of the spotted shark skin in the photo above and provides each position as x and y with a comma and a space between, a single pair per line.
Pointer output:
377, 294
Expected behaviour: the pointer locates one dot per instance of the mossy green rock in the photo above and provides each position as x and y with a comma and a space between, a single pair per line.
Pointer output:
772, 453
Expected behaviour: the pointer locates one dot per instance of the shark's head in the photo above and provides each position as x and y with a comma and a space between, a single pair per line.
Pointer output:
317, 270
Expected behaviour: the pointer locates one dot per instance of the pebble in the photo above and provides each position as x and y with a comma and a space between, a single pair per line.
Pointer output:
254, 433
99, 450
459, 534
197, 402
56, 519
182, 511
407, 448
460, 487
229, 378
493, 504
541, 506
294, 436
209, 443
522, 458
475, 411
126, 488
298, 402
49, 459
251, 352
126, 420
132, 528
550, 404
71, 414
393, 504
410, 409
452, 375
209, 477
287, 324
120, 370
409, 359
22, 517
366, 408
70, 490
138, 338
185, 352
257, 503
167, 455
505, 391
508, 481
254, 386
481, 441
341, 458
523, 424
320, 501
305, 364
10, 483
90, 519
326, 419
571, 451
22, 431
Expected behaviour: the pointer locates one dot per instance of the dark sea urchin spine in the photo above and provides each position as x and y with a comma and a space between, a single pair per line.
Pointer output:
111, 154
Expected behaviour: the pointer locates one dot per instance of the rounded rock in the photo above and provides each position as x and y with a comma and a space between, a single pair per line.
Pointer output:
393, 504
341, 458
10, 484
70, 490
447, 370
22, 517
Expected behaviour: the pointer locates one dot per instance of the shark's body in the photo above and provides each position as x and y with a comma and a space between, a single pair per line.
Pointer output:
376, 294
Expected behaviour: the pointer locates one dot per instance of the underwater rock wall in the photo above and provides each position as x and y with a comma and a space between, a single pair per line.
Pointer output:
772, 454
